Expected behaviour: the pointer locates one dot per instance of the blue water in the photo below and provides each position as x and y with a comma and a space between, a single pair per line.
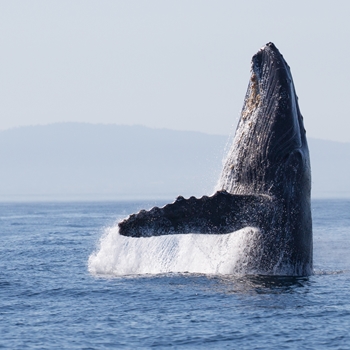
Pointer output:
68, 280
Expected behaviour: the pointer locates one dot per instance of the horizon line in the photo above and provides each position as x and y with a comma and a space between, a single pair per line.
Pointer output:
230, 134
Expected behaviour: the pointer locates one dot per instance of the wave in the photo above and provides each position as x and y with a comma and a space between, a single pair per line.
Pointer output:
117, 255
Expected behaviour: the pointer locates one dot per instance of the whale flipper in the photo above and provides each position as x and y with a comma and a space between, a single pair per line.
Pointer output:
221, 213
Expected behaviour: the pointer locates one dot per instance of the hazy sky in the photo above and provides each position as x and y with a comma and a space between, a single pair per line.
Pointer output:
181, 64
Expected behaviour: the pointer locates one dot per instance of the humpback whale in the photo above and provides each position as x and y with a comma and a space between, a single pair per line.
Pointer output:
265, 183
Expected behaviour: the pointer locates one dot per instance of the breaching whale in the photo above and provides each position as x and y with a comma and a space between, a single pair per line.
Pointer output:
265, 182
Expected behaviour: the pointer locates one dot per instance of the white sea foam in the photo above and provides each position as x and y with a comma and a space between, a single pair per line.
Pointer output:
195, 253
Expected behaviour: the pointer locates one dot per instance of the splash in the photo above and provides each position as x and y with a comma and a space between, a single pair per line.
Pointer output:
194, 253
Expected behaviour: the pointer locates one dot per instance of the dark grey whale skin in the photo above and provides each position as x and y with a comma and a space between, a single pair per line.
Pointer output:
265, 182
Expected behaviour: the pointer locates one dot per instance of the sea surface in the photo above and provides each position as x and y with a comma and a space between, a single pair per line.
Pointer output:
68, 280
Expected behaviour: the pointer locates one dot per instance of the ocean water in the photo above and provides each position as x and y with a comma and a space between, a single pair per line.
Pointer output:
69, 281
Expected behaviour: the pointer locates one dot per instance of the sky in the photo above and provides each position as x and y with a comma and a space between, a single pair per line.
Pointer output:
181, 64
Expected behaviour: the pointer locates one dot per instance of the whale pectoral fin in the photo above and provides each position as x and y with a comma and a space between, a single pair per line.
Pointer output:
220, 213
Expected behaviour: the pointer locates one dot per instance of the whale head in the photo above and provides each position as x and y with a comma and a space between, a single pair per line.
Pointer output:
270, 140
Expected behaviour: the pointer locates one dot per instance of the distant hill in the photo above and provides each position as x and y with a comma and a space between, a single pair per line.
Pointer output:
86, 161
74, 161
330, 165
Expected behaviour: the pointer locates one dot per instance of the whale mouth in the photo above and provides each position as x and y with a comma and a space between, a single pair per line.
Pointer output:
272, 76
268, 59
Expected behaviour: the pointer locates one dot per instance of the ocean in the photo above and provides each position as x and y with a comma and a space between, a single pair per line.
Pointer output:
68, 280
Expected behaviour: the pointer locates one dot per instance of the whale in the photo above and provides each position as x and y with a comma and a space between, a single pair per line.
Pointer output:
265, 183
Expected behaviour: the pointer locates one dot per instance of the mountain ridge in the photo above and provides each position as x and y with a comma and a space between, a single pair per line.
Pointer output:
82, 161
